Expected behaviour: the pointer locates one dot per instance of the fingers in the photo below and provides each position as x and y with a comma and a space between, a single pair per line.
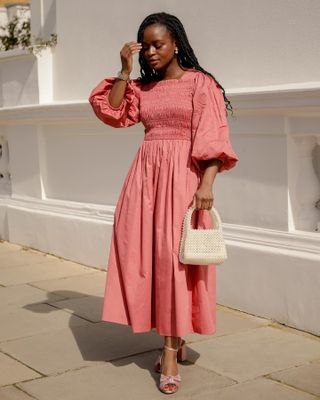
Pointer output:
127, 52
202, 204
132, 47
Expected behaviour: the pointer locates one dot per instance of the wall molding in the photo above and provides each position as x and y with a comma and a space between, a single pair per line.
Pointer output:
88, 211
10, 55
287, 100
306, 243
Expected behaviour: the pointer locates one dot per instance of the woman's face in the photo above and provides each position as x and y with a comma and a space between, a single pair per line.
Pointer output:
157, 46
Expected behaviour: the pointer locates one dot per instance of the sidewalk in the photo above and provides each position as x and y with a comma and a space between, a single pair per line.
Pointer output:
53, 345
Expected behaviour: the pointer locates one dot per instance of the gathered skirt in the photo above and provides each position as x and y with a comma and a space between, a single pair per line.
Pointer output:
146, 285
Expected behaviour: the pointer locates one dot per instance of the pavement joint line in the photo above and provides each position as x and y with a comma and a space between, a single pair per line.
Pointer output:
33, 283
235, 382
32, 264
158, 349
21, 362
44, 290
69, 298
214, 337
39, 333
24, 391
64, 277
296, 331
26, 264
62, 372
52, 279
69, 312
287, 384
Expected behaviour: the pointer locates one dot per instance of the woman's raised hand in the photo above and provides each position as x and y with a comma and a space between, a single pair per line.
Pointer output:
126, 54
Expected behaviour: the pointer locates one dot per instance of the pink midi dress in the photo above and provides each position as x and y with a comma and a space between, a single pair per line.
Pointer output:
184, 121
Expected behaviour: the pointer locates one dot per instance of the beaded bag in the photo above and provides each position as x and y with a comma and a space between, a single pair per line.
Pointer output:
202, 246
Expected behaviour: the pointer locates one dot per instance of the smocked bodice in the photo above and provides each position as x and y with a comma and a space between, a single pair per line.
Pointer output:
190, 108
166, 109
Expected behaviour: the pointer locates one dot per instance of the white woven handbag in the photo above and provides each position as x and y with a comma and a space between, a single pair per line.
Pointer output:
202, 246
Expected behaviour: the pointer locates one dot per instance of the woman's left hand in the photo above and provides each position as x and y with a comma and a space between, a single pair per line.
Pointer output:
203, 198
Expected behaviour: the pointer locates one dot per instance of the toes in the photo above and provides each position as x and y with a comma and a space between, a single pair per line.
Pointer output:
170, 386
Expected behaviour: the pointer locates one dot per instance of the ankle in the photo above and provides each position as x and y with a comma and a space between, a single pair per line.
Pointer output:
172, 341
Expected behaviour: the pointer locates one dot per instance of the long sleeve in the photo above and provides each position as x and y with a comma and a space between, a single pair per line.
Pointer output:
127, 114
210, 130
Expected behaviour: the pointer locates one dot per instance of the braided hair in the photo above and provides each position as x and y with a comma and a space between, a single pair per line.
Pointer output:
186, 57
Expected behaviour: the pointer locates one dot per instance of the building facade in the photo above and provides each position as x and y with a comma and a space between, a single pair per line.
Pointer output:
62, 169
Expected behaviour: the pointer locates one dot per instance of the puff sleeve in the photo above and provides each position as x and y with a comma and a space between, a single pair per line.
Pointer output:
210, 130
127, 114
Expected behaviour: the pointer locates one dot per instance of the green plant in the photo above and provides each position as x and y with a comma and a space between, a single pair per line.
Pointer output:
40, 44
18, 35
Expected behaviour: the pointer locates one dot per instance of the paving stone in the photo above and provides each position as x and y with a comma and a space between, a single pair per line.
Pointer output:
13, 393
34, 272
229, 321
249, 354
34, 318
9, 259
247, 358
305, 377
75, 286
12, 371
80, 346
24, 294
8, 246
129, 378
89, 307
258, 389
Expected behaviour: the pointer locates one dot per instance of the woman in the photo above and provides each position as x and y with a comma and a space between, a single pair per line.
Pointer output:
186, 142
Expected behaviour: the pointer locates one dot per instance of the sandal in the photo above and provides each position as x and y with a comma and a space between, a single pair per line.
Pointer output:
166, 380
181, 355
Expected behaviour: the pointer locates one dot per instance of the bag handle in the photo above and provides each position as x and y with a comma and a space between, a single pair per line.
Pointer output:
214, 215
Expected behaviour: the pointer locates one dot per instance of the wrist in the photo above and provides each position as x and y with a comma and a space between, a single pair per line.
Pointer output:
206, 184
125, 73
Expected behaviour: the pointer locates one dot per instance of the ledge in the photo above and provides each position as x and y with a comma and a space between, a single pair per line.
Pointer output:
68, 208
14, 53
295, 242
285, 100
58, 111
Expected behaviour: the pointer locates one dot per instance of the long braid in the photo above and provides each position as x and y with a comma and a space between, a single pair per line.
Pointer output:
186, 57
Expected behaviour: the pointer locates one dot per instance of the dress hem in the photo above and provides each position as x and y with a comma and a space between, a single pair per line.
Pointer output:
146, 330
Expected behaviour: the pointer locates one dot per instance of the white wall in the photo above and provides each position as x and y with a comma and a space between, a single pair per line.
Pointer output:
18, 79
3, 16
243, 43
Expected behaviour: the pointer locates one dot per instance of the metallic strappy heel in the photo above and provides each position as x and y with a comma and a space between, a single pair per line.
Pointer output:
181, 356
171, 379
166, 380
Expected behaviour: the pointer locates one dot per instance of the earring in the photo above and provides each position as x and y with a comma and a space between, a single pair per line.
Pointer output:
176, 51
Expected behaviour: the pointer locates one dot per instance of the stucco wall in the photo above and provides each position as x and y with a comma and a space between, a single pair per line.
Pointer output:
243, 43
